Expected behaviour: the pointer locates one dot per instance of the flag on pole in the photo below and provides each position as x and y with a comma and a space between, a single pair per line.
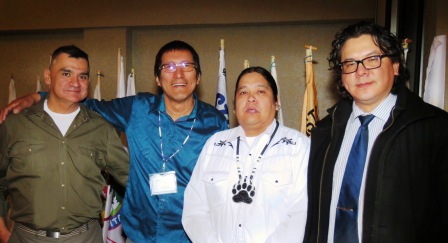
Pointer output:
112, 227
274, 74
405, 45
97, 92
221, 93
130, 90
246, 64
12, 90
121, 88
38, 84
309, 109
435, 73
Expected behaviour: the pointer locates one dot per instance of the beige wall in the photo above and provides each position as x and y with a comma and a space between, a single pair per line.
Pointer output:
50, 14
251, 30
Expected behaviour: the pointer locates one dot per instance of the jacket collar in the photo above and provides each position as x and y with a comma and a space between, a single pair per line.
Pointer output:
38, 110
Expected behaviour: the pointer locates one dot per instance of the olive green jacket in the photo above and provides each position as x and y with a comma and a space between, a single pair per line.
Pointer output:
55, 181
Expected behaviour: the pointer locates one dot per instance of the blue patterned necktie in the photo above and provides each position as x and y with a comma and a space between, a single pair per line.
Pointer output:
346, 226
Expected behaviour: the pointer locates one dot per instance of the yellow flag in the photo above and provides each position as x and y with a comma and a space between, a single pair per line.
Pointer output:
309, 109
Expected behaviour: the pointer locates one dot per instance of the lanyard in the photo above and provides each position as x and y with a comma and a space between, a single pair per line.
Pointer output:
177, 151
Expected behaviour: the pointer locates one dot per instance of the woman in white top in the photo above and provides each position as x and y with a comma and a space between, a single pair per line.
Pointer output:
249, 184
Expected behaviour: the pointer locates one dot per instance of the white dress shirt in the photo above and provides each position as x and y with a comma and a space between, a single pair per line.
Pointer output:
278, 210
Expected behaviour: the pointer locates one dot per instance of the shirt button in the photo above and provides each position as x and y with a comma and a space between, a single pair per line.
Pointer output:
63, 208
239, 225
63, 142
63, 185
62, 163
30, 150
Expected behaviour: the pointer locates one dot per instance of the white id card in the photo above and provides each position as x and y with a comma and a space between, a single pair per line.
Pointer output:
163, 183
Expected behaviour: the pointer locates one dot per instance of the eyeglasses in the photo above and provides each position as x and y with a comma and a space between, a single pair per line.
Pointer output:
369, 63
172, 67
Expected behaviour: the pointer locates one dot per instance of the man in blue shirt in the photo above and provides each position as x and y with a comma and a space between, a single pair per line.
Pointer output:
165, 135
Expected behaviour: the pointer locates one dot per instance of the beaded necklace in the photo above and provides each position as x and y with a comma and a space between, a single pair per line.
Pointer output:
244, 190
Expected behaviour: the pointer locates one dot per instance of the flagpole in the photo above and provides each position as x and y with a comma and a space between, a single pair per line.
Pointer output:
309, 109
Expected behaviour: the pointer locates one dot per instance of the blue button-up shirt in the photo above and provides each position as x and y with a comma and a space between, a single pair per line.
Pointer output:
149, 218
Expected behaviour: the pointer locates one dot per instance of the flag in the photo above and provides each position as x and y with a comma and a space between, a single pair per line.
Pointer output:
435, 73
38, 84
246, 64
309, 109
12, 90
221, 93
274, 74
112, 227
121, 92
97, 92
130, 90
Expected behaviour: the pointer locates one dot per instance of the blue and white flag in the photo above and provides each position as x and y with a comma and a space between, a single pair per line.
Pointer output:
274, 75
221, 94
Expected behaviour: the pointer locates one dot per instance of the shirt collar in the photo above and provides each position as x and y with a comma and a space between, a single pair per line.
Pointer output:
239, 132
382, 111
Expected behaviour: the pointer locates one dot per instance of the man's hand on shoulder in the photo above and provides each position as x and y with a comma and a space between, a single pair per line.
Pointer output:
17, 105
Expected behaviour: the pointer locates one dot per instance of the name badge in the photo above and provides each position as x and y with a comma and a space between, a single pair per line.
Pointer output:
163, 183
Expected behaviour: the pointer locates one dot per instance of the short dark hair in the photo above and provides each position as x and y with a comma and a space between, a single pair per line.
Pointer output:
265, 73
384, 39
72, 51
176, 45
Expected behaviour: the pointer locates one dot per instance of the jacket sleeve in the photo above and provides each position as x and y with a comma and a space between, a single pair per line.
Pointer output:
116, 111
196, 214
117, 159
293, 228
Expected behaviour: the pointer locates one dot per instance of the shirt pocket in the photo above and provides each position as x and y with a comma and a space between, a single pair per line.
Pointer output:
216, 185
86, 162
277, 184
28, 157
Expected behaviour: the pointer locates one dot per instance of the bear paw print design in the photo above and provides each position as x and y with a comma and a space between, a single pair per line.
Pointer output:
243, 192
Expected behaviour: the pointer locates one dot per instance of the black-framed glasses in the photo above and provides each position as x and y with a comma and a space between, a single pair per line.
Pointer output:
369, 63
172, 67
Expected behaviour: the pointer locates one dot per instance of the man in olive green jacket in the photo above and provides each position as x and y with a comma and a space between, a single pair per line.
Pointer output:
52, 156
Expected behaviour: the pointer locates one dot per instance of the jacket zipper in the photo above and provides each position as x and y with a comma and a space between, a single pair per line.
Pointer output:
322, 176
